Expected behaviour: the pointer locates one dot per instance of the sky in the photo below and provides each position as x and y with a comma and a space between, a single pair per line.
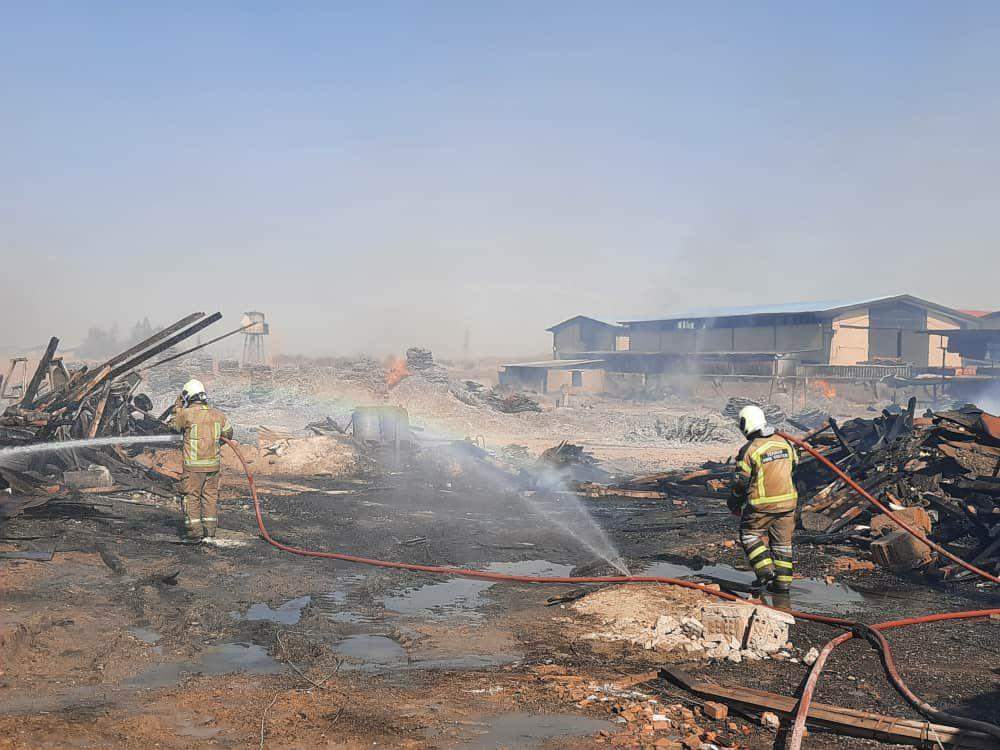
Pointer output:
379, 175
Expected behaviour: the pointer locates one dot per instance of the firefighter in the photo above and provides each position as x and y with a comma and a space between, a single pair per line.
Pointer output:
764, 496
203, 427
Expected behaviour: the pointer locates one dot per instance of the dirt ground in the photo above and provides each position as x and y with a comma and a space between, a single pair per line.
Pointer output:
128, 638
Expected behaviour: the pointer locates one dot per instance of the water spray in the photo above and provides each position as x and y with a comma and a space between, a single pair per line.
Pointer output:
101, 442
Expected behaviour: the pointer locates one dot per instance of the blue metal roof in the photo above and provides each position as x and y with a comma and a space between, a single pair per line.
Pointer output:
815, 306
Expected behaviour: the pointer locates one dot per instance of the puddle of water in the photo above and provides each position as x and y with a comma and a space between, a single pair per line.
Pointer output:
287, 614
146, 635
225, 658
373, 650
463, 594
806, 592
520, 731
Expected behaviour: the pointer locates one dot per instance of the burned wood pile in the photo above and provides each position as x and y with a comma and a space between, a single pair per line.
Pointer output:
90, 402
682, 429
940, 471
732, 409
475, 394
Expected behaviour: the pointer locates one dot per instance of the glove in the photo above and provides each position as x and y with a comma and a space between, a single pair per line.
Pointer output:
735, 505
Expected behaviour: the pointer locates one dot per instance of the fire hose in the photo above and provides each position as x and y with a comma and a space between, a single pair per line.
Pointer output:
835, 621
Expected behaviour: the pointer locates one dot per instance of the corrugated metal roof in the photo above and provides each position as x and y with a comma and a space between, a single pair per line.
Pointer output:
771, 309
580, 317
815, 306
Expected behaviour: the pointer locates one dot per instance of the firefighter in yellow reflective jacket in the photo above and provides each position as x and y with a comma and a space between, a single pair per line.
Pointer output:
764, 496
203, 427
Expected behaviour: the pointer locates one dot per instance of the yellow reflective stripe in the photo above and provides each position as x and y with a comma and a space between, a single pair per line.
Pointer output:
218, 430
756, 553
763, 563
193, 442
764, 500
783, 579
209, 518
743, 466
782, 564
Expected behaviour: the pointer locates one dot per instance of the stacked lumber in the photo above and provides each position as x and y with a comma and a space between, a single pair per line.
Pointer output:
421, 362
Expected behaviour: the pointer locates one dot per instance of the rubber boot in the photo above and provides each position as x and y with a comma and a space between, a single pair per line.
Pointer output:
765, 578
779, 587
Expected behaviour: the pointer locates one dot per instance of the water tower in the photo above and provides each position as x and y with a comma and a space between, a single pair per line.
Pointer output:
253, 339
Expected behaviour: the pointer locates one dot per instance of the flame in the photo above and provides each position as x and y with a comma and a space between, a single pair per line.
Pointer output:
396, 372
825, 388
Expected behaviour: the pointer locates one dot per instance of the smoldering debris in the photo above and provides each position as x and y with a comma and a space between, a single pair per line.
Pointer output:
497, 398
683, 429
733, 406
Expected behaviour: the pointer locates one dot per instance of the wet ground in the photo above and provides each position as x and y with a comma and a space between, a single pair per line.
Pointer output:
128, 639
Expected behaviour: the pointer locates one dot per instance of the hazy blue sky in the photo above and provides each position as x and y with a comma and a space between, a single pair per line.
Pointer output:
374, 175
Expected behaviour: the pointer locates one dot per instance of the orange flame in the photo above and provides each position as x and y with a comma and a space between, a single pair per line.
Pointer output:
825, 388
396, 372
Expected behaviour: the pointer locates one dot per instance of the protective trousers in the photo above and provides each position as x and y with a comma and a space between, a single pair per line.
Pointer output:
767, 541
201, 498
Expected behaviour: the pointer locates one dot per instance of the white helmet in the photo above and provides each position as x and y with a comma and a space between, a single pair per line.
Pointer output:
752, 420
191, 389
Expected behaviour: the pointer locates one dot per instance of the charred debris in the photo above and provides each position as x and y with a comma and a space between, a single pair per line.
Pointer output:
57, 405
940, 471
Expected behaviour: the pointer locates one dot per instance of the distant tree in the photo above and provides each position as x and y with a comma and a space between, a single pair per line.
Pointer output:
140, 332
99, 343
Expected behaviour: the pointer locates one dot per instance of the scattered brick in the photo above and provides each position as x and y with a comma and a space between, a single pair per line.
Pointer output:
715, 711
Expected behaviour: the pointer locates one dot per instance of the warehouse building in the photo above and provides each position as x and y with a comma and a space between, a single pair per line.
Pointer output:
861, 338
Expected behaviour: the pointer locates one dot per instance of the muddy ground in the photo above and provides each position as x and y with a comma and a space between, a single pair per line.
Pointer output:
127, 638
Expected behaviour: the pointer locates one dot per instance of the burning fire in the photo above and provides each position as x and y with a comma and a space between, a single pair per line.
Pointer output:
825, 388
396, 372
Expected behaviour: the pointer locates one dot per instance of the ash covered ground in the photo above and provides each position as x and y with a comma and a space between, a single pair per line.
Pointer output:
127, 638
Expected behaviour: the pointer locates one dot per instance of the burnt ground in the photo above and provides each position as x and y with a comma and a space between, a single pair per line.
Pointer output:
129, 639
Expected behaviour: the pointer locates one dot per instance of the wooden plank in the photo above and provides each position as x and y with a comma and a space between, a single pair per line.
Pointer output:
40, 372
99, 412
848, 515
845, 721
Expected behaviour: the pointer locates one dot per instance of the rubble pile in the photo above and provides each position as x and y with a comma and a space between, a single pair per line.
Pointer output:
686, 623
644, 719
89, 402
941, 468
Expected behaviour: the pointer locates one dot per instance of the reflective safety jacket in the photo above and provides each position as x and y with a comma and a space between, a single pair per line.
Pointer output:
203, 427
764, 474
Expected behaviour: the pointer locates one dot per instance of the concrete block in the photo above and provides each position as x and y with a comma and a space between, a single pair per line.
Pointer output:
665, 625
767, 631
94, 477
915, 517
899, 551
724, 619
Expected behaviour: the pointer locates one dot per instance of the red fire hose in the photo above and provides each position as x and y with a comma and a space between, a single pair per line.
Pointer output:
875, 631
803, 708
488, 576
